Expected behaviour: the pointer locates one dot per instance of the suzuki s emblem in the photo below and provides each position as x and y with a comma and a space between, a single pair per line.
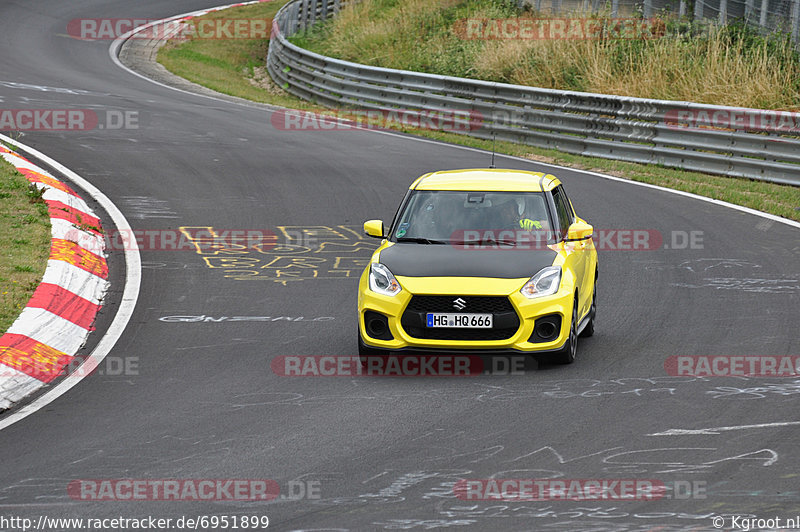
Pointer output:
459, 304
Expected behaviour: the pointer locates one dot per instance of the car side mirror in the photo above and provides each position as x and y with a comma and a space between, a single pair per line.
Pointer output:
374, 228
578, 231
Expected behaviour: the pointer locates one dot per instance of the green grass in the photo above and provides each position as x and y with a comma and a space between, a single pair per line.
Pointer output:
230, 66
24, 242
236, 67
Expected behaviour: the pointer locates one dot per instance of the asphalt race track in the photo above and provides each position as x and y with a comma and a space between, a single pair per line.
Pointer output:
201, 401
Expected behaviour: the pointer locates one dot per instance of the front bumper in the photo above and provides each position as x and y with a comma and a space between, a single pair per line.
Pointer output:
529, 313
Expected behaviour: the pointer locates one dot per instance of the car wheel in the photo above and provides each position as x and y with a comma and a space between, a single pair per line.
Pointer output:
570, 349
589, 329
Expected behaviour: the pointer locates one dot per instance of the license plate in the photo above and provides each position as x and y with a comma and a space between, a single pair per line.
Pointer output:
459, 321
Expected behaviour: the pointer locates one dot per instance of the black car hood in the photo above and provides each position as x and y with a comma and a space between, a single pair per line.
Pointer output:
444, 260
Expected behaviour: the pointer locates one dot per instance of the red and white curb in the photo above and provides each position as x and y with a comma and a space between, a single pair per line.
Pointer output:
58, 318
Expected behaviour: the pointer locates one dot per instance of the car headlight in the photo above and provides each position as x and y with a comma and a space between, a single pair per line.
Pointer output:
544, 283
382, 281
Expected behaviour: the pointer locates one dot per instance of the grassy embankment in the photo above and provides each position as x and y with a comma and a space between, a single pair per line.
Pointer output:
24, 242
732, 66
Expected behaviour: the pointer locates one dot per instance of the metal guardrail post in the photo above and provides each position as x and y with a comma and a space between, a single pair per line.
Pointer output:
312, 13
304, 14
749, 7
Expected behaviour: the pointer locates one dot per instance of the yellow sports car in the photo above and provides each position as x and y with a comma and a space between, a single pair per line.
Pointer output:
480, 261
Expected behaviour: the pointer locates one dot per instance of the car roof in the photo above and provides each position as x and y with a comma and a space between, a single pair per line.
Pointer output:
487, 179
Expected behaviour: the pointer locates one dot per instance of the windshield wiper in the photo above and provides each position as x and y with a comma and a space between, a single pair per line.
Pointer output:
485, 241
420, 240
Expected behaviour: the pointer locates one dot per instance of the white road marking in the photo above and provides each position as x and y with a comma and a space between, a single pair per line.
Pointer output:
717, 430
113, 51
42, 88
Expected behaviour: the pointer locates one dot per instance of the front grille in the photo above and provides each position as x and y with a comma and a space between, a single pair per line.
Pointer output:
506, 321
474, 304
460, 334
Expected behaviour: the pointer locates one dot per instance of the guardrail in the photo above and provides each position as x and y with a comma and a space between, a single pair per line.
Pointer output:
737, 142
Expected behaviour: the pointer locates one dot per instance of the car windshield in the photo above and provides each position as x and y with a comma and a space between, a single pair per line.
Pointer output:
455, 217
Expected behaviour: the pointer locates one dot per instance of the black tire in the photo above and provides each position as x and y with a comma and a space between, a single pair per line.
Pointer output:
589, 329
570, 350
365, 352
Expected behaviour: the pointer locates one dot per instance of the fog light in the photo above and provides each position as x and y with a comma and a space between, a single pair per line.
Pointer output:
377, 325
546, 329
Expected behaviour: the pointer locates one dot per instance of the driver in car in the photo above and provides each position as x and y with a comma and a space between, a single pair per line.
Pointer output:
515, 214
